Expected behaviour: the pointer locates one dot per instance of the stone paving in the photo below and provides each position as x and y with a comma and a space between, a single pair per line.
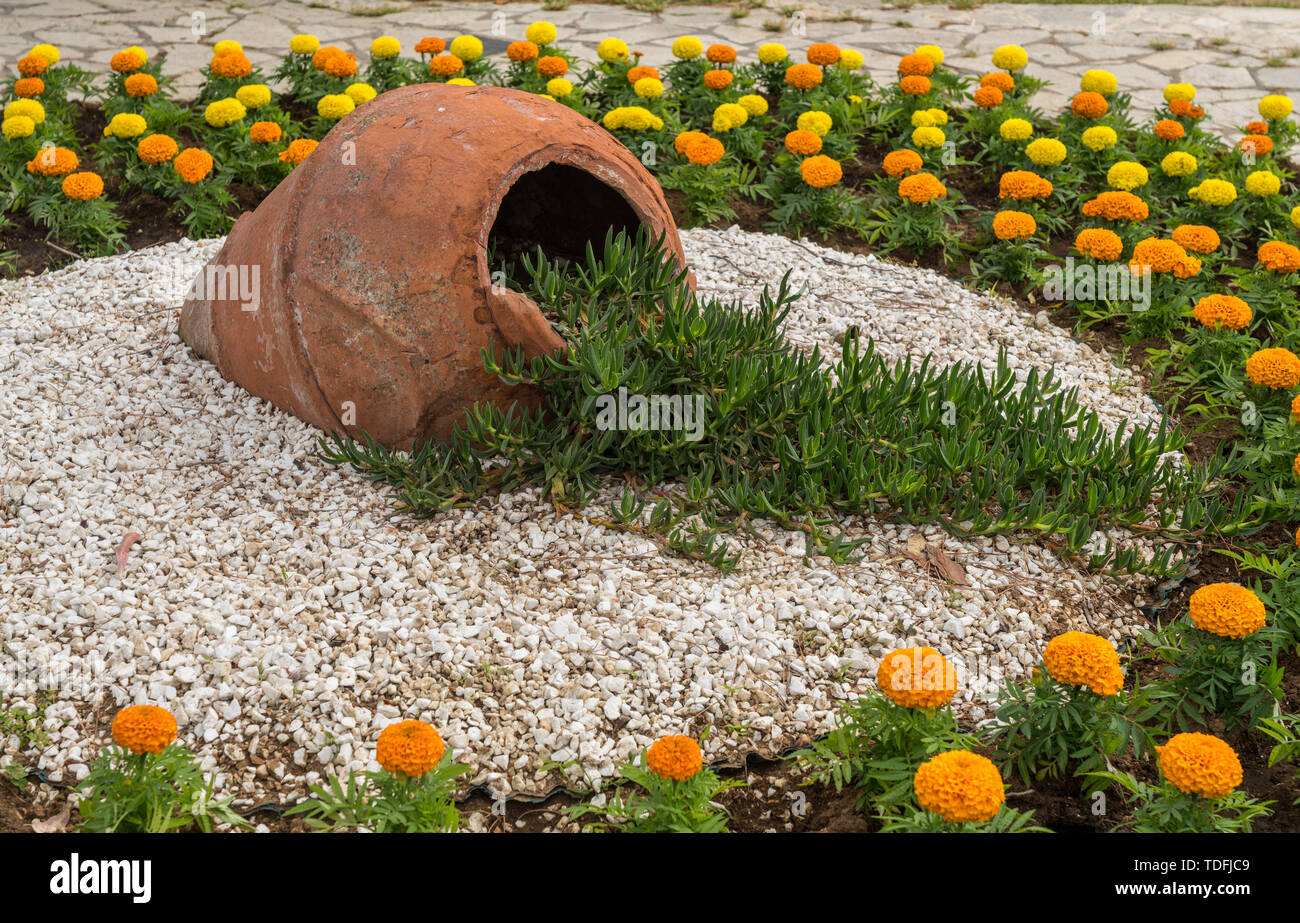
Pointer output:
1234, 55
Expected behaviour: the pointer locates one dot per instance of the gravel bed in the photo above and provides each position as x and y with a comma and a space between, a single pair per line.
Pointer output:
275, 605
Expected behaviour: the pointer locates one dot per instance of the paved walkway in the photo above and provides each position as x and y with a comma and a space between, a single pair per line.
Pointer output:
1234, 55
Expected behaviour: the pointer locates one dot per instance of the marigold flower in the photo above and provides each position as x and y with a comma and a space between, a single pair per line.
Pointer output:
1178, 163
675, 757
1015, 130
1157, 255
1023, 184
522, 51
1099, 244
140, 85
1222, 312
1259, 145
1275, 107
816, 121
753, 104
17, 126
127, 61
386, 46
1197, 238
1099, 138
144, 729
806, 143
915, 65
304, 43
232, 66
1257, 128
685, 139
705, 151
933, 52
83, 186
610, 50
820, 171
900, 163
1089, 105
126, 125
1214, 192
448, 65
1182, 108
47, 52
53, 161
1183, 91
960, 787
823, 54
921, 188
999, 81
718, 79
558, 87
1227, 609
1127, 175
32, 66
850, 60
264, 132
803, 76
27, 87
1274, 368
1199, 764
641, 70
193, 164
360, 93
334, 106
1010, 57
340, 64
720, 54
1077, 658
917, 677
224, 112
1045, 151
409, 749
1099, 81
915, 86
987, 97
771, 53
430, 44
298, 150
156, 149
466, 47
1263, 183
541, 32
1013, 225
638, 118
227, 46
728, 116
552, 66
1169, 130
688, 47
648, 88
1279, 256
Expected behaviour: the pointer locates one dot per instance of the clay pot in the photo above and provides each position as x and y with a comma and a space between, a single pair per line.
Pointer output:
373, 298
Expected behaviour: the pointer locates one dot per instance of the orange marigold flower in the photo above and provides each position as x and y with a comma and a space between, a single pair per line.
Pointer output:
1199, 764
126, 62
720, 54
193, 164
1169, 130
430, 45
264, 132
685, 139
804, 143
1222, 312
1013, 225
1089, 105
1275, 368
144, 729
1257, 128
409, 749
232, 65
1260, 145
718, 80
1117, 205
675, 757
641, 70
1279, 256
917, 677
820, 171
900, 163
522, 51
823, 54
915, 65
156, 149
1197, 238
959, 786
988, 97
999, 80
803, 76
1023, 184
28, 87
551, 66
140, 85
1099, 243
705, 151
448, 65
1159, 255
921, 188
83, 186
34, 65
343, 64
1187, 268
1180, 107
298, 150
915, 85
53, 161
1077, 658
1227, 610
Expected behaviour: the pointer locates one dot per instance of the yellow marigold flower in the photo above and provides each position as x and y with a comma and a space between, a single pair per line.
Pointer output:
933, 52
1295, 217
803, 143
1222, 312
687, 47
1099, 81
922, 118
928, 137
648, 88
637, 118
264, 132
705, 151
768, 53
1077, 658
611, 50
144, 729
1279, 256
1275, 368
985, 97
193, 164
53, 161
334, 106
1199, 764
304, 43
674, 757
1045, 151
1023, 184
409, 749
386, 46
224, 112
552, 66
156, 149
1275, 107
1178, 163
816, 121
27, 87
140, 85
1089, 105
83, 186
1263, 183
1127, 175
1010, 57
466, 47
233, 65
28, 107
298, 150
522, 51
718, 79
960, 787
900, 163
254, 95
460, 82
559, 87
753, 104
1197, 238
1015, 130
126, 125
1183, 91
910, 65
1099, 138
1099, 244
360, 93
1227, 609
227, 46
18, 126
729, 116
917, 677
47, 53
541, 33
1214, 192
940, 117
1013, 225
803, 76
850, 60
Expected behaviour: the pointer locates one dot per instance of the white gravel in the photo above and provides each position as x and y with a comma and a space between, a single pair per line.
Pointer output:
273, 604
